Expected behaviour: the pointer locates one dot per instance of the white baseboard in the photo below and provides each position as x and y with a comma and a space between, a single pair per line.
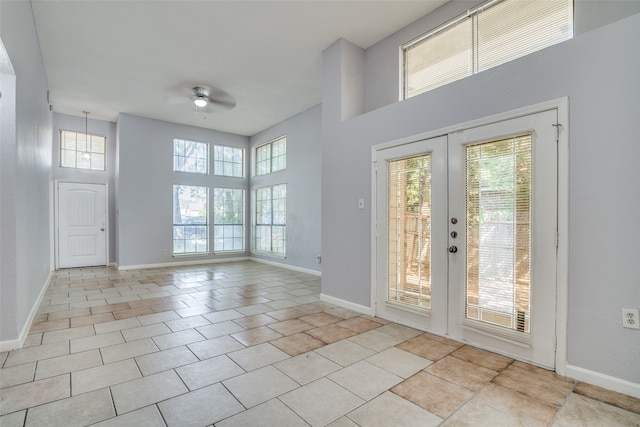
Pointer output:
288, 267
346, 304
602, 380
18, 342
178, 263
214, 261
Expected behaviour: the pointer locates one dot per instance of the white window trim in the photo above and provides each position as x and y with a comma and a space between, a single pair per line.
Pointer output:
255, 157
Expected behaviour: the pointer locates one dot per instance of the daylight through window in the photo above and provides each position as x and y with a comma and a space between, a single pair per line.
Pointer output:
270, 219
494, 33
82, 151
271, 157
228, 219
190, 219
227, 161
190, 156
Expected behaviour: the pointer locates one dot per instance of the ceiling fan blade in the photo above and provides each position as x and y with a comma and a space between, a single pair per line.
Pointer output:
226, 104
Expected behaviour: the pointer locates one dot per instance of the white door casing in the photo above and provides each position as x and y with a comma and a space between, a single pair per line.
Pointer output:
447, 313
81, 224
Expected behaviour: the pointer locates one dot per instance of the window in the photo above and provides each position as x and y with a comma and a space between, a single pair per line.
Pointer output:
492, 34
82, 151
228, 219
271, 157
227, 161
190, 156
190, 219
270, 219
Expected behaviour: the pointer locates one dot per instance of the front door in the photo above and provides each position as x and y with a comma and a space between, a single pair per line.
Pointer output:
82, 224
466, 236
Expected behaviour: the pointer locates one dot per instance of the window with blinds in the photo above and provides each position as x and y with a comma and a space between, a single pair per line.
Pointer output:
498, 202
494, 33
409, 228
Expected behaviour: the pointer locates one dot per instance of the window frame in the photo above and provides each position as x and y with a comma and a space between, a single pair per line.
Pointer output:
270, 224
223, 161
269, 159
62, 132
206, 224
206, 160
242, 224
471, 15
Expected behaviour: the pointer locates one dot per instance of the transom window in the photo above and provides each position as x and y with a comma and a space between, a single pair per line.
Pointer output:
271, 157
271, 219
494, 33
190, 219
82, 151
190, 156
228, 219
227, 161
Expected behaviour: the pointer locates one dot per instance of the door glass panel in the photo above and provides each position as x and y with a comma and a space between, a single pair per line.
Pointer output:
409, 231
498, 232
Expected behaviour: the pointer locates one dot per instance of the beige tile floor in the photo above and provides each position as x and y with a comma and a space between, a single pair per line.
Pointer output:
247, 344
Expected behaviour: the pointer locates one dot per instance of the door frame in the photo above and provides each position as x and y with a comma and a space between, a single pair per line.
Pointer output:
561, 105
56, 219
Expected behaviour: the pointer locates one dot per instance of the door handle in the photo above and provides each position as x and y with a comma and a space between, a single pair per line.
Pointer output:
453, 249
102, 229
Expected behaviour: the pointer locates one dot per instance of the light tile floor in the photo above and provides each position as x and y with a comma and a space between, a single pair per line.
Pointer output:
247, 344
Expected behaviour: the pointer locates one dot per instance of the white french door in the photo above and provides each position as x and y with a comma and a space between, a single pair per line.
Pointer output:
81, 219
466, 229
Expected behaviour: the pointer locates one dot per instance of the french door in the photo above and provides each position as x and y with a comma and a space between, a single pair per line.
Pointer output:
466, 227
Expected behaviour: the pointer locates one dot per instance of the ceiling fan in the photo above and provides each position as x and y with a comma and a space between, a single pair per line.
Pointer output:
204, 97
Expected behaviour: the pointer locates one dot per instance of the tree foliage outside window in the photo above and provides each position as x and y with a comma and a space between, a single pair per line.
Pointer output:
228, 161
270, 219
190, 156
190, 219
228, 219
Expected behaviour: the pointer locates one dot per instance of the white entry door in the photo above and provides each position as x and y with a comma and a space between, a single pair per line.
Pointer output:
82, 220
466, 228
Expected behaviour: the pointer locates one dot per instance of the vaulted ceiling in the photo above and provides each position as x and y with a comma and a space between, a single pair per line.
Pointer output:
144, 57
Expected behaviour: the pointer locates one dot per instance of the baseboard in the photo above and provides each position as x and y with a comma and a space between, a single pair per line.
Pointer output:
287, 266
602, 380
346, 304
178, 263
22, 336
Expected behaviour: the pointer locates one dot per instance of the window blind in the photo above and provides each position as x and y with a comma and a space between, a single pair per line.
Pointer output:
490, 35
498, 232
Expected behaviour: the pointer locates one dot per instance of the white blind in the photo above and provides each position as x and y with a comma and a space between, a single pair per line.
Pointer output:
444, 57
498, 202
490, 35
515, 28
409, 231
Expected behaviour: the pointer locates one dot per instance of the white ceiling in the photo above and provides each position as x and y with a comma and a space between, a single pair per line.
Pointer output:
111, 57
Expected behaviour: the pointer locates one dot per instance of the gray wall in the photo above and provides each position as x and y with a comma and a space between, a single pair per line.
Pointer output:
25, 167
598, 71
382, 72
108, 176
144, 186
302, 177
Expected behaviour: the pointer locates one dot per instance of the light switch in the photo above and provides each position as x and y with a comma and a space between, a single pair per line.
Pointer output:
360, 203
